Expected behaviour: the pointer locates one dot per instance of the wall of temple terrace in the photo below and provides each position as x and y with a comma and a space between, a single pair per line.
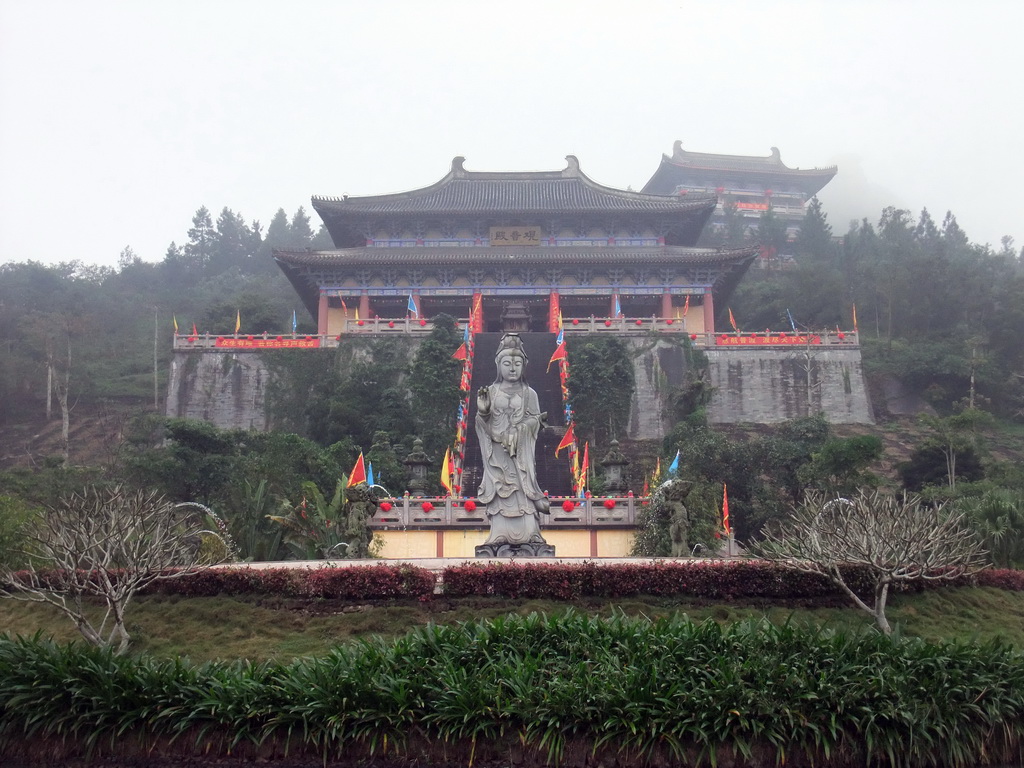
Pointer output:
752, 384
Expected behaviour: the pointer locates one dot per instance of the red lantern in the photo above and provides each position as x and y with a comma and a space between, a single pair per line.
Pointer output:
427, 506
568, 505
609, 503
359, 322
457, 488
575, 321
842, 335
470, 505
693, 337
669, 322
587, 494
191, 338
385, 506
608, 323
423, 321
391, 323
250, 337
278, 338
639, 321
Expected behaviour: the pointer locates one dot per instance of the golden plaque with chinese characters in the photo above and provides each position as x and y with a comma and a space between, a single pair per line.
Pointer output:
515, 235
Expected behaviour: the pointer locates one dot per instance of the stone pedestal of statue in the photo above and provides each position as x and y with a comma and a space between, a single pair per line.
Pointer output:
508, 419
516, 550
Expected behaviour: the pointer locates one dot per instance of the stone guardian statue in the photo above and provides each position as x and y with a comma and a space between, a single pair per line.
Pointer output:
508, 420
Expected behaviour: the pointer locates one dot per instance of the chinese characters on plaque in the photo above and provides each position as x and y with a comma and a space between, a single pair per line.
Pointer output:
515, 235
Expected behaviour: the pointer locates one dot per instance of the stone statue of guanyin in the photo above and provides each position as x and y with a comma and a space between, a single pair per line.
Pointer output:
508, 420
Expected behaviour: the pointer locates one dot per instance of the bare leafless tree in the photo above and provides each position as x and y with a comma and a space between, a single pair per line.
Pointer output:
894, 538
91, 552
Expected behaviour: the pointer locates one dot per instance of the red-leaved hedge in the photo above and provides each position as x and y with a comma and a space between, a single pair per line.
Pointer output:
373, 582
708, 579
715, 579
1012, 581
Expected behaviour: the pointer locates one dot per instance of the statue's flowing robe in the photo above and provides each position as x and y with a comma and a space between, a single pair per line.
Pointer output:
509, 487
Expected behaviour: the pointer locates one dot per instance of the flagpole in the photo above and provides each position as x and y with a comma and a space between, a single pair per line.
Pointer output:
156, 369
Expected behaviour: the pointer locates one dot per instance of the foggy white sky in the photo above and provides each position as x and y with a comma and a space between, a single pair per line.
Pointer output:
119, 119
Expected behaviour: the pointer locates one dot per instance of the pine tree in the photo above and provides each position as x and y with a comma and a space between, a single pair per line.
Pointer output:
815, 238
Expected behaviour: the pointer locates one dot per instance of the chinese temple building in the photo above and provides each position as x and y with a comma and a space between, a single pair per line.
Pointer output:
752, 184
520, 246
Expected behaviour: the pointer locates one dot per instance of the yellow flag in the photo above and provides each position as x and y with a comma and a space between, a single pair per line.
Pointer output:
175, 321
446, 474
238, 321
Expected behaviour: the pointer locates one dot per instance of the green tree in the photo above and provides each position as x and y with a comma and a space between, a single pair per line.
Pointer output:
434, 385
815, 237
601, 384
202, 240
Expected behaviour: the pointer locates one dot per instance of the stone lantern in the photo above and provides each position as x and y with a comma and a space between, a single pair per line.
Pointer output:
613, 462
417, 462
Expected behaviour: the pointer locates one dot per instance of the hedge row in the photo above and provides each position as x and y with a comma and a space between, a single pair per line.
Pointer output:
375, 582
713, 580
532, 691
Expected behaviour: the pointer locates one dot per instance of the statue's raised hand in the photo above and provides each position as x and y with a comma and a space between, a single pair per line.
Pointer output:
483, 401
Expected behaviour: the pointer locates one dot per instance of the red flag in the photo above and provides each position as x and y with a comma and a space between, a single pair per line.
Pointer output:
446, 471
732, 321
558, 355
358, 472
686, 306
725, 510
194, 331
568, 439
584, 465
460, 353
647, 489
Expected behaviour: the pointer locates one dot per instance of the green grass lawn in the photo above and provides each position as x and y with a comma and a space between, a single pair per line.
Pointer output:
230, 628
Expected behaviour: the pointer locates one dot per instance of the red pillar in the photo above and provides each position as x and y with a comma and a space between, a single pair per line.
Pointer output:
709, 312
666, 306
554, 310
476, 313
364, 306
321, 315
612, 304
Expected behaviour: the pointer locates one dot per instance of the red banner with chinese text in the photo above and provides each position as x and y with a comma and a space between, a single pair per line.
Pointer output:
772, 340
261, 343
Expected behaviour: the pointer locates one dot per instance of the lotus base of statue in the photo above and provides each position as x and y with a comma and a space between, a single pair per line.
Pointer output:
528, 549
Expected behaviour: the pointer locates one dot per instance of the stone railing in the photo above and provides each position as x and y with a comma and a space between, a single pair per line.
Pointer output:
408, 512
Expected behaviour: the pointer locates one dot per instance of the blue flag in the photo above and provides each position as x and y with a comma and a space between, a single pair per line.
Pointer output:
295, 322
369, 473
791, 323
412, 306
674, 466
618, 307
